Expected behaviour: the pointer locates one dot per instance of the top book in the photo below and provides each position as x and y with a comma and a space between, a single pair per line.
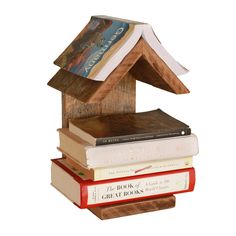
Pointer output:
120, 128
103, 44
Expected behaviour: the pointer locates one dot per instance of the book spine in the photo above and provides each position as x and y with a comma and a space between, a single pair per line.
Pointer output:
171, 182
141, 137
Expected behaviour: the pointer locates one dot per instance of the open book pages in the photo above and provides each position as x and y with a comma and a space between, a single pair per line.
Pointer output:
103, 44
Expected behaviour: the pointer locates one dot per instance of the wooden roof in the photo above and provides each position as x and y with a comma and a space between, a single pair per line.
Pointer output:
142, 62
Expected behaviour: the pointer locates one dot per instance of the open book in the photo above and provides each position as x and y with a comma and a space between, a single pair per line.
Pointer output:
103, 44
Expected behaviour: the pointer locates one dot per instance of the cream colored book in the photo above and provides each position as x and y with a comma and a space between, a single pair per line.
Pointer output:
120, 171
127, 153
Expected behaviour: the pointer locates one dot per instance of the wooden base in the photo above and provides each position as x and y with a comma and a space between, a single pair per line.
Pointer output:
132, 208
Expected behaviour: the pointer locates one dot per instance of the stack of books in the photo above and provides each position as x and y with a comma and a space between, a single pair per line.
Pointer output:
124, 157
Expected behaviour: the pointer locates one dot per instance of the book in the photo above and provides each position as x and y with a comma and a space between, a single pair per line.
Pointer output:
135, 169
103, 44
126, 153
119, 128
87, 193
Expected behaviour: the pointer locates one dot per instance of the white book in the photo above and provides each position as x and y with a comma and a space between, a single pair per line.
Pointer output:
127, 153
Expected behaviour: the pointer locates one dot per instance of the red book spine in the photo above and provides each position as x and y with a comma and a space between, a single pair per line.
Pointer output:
85, 184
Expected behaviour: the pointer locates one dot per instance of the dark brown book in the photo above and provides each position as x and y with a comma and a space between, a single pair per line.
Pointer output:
119, 128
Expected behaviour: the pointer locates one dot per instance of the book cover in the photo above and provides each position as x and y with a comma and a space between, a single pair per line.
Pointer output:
118, 128
93, 47
87, 193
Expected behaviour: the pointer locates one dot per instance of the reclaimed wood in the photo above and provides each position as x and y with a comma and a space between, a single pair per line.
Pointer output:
121, 99
117, 75
74, 85
142, 63
145, 65
132, 208
163, 72
148, 75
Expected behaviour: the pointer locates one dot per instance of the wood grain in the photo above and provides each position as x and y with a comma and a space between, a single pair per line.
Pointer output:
142, 71
74, 85
163, 72
121, 99
145, 65
141, 63
117, 75
132, 208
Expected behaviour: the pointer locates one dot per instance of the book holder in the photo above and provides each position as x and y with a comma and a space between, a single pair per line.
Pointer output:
82, 97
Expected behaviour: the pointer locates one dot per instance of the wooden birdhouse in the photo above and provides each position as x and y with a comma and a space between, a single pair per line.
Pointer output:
99, 69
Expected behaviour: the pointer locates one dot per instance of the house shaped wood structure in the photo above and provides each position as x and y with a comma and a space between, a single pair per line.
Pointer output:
142, 63
85, 97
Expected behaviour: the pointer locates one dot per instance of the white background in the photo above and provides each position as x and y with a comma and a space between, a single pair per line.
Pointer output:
199, 34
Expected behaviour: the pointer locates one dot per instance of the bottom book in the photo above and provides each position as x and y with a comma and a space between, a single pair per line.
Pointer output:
88, 193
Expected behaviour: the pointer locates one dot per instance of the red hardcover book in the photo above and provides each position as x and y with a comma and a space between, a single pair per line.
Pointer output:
88, 193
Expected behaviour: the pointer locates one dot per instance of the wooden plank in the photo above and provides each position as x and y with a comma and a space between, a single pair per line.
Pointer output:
74, 85
72, 107
141, 62
145, 65
144, 72
117, 75
132, 208
163, 72
121, 99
